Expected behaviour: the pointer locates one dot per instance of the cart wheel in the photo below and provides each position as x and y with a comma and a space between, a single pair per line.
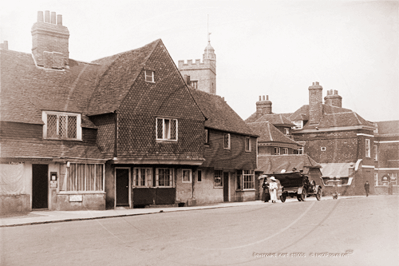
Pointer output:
283, 198
318, 195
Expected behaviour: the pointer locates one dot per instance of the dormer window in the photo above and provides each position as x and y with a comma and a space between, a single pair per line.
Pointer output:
59, 125
149, 76
194, 84
298, 124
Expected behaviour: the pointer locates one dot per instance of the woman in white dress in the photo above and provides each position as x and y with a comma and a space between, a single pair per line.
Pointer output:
273, 189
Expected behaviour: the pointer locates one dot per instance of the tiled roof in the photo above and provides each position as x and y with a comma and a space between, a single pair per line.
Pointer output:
270, 164
388, 128
119, 77
49, 149
275, 119
28, 89
269, 133
219, 114
332, 117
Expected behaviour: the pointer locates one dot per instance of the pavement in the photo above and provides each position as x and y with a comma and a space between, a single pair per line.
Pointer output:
45, 216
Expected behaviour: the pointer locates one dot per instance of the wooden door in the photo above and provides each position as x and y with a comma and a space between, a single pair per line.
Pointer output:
122, 187
39, 186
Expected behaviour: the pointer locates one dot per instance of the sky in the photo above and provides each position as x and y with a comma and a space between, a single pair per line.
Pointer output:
274, 48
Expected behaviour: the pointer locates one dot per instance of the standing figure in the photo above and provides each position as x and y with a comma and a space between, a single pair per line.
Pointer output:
266, 194
273, 189
367, 188
390, 188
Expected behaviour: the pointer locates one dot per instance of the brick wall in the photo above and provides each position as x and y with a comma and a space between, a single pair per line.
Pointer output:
340, 146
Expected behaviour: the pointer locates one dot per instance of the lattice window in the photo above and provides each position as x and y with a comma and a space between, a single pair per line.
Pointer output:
61, 126
52, 126
186, 178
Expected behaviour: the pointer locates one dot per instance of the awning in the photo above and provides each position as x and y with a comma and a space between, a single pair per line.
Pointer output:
336, 170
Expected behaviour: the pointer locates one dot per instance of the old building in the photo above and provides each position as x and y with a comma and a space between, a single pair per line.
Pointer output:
340, 140
386, 157
228, 172
121, 131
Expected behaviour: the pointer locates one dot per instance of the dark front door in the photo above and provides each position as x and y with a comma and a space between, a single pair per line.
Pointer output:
122, 187
39, 186
225, 186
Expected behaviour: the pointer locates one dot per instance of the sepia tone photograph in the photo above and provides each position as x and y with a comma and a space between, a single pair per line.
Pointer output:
149, 132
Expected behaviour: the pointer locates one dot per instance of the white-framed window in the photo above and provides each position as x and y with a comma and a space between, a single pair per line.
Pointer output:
149, 76
301, 150
194, 84
226, 141
60, 125
83, 177
164, 177
199, 175
285, 151
186, 176
375, 153
247, 144
142, 177
286, 131
166, 129
276, 150
206, 136
248, 179
376, 179
298, 124
367, 147
218, 178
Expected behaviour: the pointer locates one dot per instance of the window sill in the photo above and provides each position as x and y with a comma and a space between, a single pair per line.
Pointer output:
245, 190
166, 140
80, 192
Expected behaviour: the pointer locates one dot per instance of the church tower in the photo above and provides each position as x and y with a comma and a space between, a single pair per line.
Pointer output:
202, 75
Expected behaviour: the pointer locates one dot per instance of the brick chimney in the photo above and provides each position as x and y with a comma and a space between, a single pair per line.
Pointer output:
263, 106
315, 103
50, 41
333, 98
4, 45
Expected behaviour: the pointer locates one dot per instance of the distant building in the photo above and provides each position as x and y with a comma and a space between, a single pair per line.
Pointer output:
341, 141
386, 156
201, 75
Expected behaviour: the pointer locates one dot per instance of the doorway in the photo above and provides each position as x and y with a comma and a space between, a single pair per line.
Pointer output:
122, 187
39, 186
225, 186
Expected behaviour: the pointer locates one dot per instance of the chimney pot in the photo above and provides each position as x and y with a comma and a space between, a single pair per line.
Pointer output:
263, 97
53, 18
317, 83
335, 92
39, 16
260, 98
47, 16
59, 20
267, 97
4, 45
